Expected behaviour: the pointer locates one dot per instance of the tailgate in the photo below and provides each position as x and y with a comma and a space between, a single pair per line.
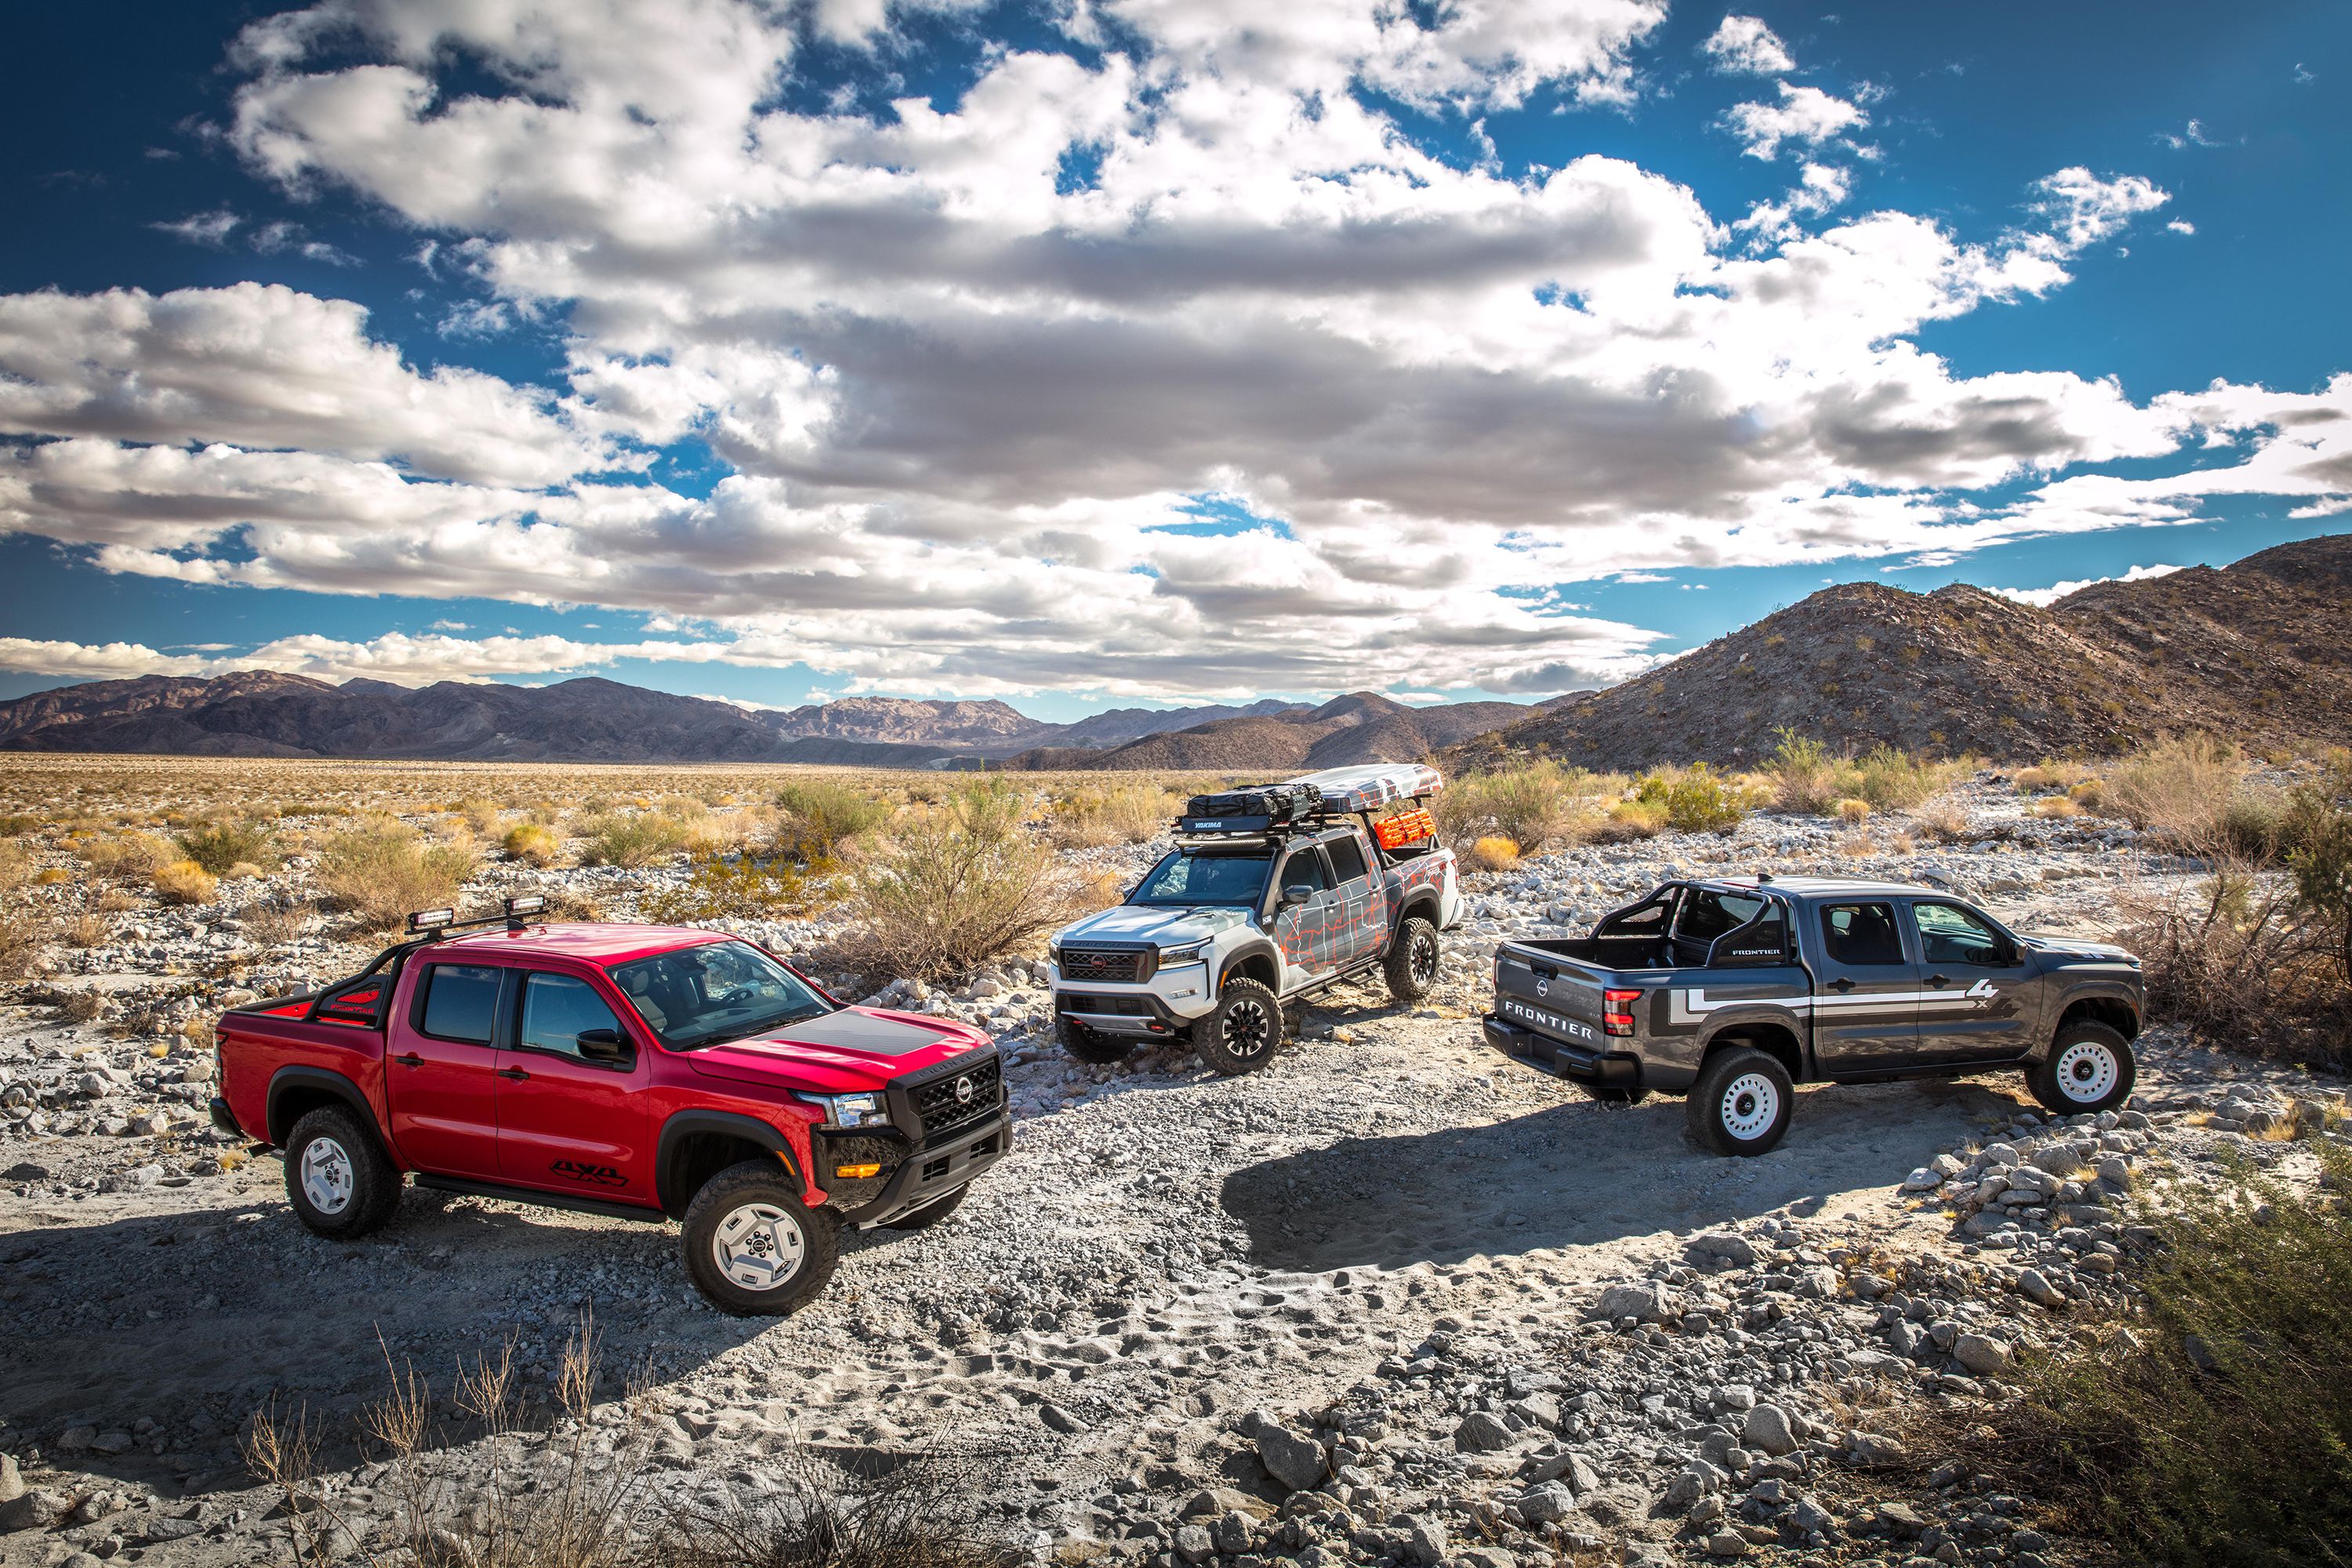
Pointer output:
1551, 995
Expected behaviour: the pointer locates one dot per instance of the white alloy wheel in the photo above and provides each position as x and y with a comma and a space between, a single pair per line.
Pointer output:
758, 1247
2086, 1071
1750, 1105
326, 1177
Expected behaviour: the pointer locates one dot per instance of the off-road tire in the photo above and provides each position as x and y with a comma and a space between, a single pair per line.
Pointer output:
2085, 1059
929, 1214
332, 1151
1091, 1045
1241, 1033
1410, 966
765, 1190
1741, 1103
1614, 1093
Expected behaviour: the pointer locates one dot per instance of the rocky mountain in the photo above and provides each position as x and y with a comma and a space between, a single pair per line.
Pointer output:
2260, 650
1362, 726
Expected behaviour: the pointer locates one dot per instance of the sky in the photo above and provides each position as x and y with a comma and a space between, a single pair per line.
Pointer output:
1137, 351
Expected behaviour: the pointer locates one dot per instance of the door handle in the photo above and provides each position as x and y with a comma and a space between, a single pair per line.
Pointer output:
1840, 983
1939, 980
411, 1060
514, 1075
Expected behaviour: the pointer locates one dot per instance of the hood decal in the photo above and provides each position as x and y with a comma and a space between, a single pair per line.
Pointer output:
1152, 923
848, 1041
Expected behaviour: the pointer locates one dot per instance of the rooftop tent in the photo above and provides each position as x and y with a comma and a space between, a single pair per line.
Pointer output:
1370, 786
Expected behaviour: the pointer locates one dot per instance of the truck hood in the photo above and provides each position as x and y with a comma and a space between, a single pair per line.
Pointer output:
2071, 947
836, 1053
1159, 925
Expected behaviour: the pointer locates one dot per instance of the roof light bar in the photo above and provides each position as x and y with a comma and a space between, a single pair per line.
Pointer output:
431, 919
527, 904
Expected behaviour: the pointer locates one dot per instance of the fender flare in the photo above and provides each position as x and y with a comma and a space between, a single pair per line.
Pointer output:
1421, 901
685, 1124
1763, 1013
294, 1077
1254, 947
2092, 990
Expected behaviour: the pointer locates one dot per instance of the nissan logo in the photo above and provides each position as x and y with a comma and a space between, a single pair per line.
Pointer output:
963, 1091
1543, 987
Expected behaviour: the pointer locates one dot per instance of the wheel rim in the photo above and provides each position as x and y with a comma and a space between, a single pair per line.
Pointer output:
1423, 960
327, 1180
1245, 1031
758, 1247
2086, 1071
1751, 1103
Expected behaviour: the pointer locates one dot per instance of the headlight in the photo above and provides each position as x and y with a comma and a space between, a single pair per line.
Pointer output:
851, 1110
1189, 953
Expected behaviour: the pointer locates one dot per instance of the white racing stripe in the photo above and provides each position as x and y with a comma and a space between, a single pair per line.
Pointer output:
1688, 1006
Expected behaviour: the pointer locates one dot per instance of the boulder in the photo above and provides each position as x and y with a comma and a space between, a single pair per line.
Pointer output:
1648, 1302
1767, 1427
1728, 1245
1549, 1503
1481, 1433
1295, 1461
1981, 1354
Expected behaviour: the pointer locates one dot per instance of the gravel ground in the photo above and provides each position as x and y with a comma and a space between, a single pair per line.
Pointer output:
1392, 1299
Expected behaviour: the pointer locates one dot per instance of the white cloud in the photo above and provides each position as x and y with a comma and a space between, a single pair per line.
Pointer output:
2088, 209
2193, 135
2181, 226
2044, 597
210, 229
263, 365
957, 404
1805, 114
1744, 44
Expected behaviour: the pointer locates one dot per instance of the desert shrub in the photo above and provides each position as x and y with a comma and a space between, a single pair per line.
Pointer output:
85, 930
126, 854
724, 887
2056, 805
1943, 819
1851, 810
2253, 824
1494, 853
1698, 800
16, 866
1124, 813
1537, 806
1890, 779
825, 813
273, 922
962, 883
2316, 826
630, 839
2179, 789
21, 941
2213, 1426
1804, 774
218, 845
183, 882
1629, 820
480, 814
531, 844
2241, 959
2032, 781
379, 872
921, 1515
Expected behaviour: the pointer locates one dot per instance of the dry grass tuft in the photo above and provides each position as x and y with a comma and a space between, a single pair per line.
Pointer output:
1851, 811
2057, 805
184, 882
532, 845
379, 872
1494, 853
962, 883
631, 839
1943, 819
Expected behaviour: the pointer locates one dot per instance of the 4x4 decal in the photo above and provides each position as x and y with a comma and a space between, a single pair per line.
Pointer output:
595, 1175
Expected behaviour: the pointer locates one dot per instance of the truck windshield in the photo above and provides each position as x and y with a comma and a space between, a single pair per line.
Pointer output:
722, 991
1235, 878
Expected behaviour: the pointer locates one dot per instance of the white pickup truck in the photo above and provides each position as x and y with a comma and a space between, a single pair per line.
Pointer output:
1270, 895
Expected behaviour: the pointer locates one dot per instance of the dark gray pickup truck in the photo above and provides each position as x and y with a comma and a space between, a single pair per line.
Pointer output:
1733, 992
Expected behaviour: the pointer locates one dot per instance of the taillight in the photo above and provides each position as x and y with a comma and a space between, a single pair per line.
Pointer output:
1617, 1010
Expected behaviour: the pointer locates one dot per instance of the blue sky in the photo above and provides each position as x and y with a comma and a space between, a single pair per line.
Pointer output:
1126, 352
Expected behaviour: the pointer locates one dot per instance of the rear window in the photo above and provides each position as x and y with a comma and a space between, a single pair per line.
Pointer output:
461, 1003
1707, 914
1861, 934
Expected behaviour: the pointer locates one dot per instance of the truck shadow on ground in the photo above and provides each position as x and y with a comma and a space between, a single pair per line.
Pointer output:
1578, 1174
195, 1320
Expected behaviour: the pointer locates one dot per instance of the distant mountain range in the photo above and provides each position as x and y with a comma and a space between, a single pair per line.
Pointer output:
2260, 650
260, 714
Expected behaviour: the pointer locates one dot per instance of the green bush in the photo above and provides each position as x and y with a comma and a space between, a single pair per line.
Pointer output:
963, 882
2214, 1426
2317, 827
1804, 774
218, 846
381, 874
1699, 800
822, 814
1535, 805
631, 839
1890, 779
728, 886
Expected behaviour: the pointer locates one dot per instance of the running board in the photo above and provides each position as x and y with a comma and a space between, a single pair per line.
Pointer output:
1313, 986
540, 1199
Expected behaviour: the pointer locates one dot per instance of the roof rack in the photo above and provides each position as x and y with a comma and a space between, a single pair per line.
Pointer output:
431, 925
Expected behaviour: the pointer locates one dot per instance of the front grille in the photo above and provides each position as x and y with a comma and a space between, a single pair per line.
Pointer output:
943, 1110
1111, 965
1079, 1002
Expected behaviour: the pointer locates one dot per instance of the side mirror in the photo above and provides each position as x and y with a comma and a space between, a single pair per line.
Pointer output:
1297, 893
602, 1046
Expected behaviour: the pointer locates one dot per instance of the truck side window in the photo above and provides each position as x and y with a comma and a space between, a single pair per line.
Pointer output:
461, 1003
1304, 868
1948, 934
556, 1009
1861, 933
1347, 859
1707, 914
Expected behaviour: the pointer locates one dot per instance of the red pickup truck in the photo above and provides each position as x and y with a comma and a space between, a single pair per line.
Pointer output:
646, 1072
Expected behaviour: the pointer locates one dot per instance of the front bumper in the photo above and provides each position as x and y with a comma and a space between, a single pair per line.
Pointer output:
928, 1175
1150, 1011
1559, 1057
